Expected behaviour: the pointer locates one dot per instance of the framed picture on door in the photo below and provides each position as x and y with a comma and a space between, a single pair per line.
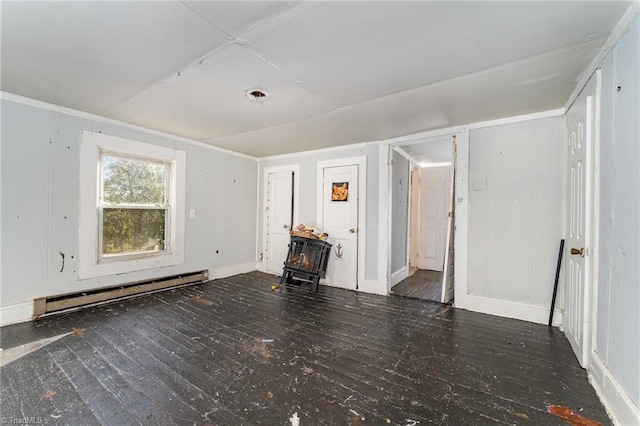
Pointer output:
340, 191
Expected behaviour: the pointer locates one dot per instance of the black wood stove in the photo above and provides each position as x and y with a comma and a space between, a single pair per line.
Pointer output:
307, 259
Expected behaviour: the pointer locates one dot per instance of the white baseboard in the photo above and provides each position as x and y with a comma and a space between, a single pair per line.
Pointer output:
262, 267
398, 276
620, 407
370, 286
227, 271
508, 309
15, 313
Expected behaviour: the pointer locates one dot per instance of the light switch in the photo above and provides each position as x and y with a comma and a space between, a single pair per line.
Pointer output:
192, 213
479, 185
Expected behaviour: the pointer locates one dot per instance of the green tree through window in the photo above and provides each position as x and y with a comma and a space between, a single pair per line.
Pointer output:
134, 205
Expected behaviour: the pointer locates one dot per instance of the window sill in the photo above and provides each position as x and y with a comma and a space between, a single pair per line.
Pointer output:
120, 266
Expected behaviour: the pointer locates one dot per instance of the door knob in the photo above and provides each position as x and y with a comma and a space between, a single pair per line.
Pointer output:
352, 230
579, 251
285, 226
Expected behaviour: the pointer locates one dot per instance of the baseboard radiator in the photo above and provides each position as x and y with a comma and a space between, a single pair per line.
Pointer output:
52, 304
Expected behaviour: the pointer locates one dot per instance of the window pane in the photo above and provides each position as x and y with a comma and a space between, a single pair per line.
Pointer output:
132, 230
127, 181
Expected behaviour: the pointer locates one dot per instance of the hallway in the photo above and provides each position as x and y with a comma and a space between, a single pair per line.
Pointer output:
422, 284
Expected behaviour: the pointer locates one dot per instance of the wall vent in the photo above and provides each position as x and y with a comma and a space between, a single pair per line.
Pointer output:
53, 304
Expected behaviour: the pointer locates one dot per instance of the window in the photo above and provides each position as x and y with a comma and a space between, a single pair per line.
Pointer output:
131, 206
134, 206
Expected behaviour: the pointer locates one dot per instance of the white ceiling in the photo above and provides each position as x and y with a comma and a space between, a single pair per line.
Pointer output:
433, 151
337, 72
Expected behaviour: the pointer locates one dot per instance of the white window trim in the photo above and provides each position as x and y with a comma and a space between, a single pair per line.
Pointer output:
92, 146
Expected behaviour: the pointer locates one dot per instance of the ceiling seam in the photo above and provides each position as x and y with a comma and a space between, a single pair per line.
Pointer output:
205, 55
210, 140
198, 59
404, 92
473, 74
295, 81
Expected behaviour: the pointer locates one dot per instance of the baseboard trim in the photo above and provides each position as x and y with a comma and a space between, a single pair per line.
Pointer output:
370, 286
508, 309
15, 313
619, 405
228, 271
262, 267
398, 276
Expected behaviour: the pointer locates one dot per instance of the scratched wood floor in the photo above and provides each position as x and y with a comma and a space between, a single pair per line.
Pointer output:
232, 352
423, 284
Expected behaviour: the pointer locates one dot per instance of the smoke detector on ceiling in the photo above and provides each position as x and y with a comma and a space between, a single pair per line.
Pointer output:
260, 95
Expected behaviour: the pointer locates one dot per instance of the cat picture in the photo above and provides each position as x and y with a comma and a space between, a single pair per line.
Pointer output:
340, 191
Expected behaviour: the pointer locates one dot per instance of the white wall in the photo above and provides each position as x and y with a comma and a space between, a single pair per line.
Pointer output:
307, 213
616, 357
515, 217
40, 206
399, 212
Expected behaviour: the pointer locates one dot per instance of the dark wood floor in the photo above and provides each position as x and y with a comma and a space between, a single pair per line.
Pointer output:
423, 284
233, 352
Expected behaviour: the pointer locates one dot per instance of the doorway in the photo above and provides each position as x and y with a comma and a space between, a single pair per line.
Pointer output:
280, 214
430, 221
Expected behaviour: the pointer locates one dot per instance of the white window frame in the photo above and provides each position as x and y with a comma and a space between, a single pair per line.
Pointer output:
94, 146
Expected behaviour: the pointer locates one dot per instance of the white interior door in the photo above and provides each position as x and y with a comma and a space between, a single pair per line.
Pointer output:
279, 216
340, 221
434, 212
449, 259
580, 133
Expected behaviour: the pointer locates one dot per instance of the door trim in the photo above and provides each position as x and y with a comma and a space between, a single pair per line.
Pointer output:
410, 206
462, 209
595, 215
448, 280
589, 225
591, 92
262, 217
361, 162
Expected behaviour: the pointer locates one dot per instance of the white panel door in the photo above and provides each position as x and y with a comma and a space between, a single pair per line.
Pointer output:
449, 260
434, 212
340, 221
576, 291
278, 218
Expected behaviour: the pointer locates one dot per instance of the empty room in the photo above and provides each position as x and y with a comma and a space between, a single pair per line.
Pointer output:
320, 212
